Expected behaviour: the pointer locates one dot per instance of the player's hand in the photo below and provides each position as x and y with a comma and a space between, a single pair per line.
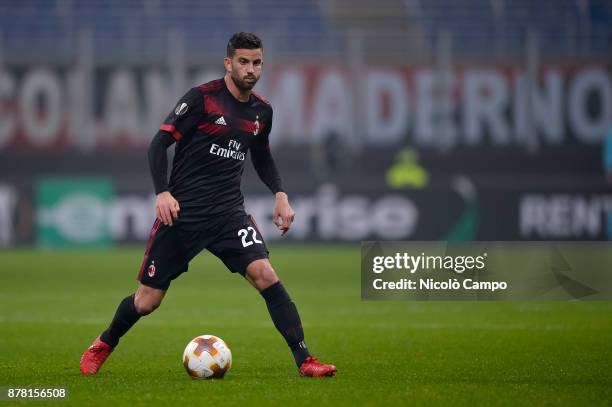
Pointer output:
166, 208
283, 213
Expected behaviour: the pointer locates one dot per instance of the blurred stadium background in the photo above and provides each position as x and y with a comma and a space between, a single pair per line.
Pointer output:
403, 120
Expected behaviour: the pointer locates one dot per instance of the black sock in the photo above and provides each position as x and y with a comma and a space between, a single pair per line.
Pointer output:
287, 320
125, 317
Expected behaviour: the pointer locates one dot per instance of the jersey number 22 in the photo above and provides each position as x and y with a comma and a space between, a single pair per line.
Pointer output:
244, 234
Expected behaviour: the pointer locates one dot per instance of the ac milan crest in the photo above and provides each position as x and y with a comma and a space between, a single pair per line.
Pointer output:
151, 269
256, 129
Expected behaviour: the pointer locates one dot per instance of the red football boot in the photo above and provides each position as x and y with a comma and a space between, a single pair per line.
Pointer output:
94, 356
313, 368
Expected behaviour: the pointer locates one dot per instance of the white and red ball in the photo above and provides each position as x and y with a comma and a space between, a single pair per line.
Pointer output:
207, 357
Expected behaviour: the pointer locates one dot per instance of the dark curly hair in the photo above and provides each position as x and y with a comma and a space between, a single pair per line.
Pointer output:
242, 40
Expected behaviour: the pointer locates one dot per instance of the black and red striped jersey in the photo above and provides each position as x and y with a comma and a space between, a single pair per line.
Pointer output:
214, 131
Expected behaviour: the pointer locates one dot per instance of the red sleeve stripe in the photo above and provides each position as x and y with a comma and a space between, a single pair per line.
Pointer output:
214, 129
170, 129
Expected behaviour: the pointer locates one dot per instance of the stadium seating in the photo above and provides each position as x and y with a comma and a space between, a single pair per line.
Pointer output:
140, 28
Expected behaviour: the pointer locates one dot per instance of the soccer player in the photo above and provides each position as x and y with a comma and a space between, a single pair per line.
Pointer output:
201, 207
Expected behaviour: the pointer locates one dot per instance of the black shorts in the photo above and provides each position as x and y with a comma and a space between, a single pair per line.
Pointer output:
235, 240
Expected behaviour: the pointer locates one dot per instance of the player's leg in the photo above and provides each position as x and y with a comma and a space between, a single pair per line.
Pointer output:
285, 316
260, 274
282, 310
147, 299
143, 302
165, 258
242, 249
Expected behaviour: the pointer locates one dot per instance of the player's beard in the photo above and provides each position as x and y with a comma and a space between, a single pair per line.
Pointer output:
245, 83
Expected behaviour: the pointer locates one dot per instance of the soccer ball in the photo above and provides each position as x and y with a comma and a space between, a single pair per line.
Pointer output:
207, 357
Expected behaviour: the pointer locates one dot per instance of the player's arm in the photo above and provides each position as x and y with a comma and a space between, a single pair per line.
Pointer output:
181, 122
166, 207
268, 173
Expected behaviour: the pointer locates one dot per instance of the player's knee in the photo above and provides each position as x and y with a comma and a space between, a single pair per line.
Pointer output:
145, 306
147, 300
261, 274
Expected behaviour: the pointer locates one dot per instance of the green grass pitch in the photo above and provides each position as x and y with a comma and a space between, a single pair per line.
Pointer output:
53, 304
